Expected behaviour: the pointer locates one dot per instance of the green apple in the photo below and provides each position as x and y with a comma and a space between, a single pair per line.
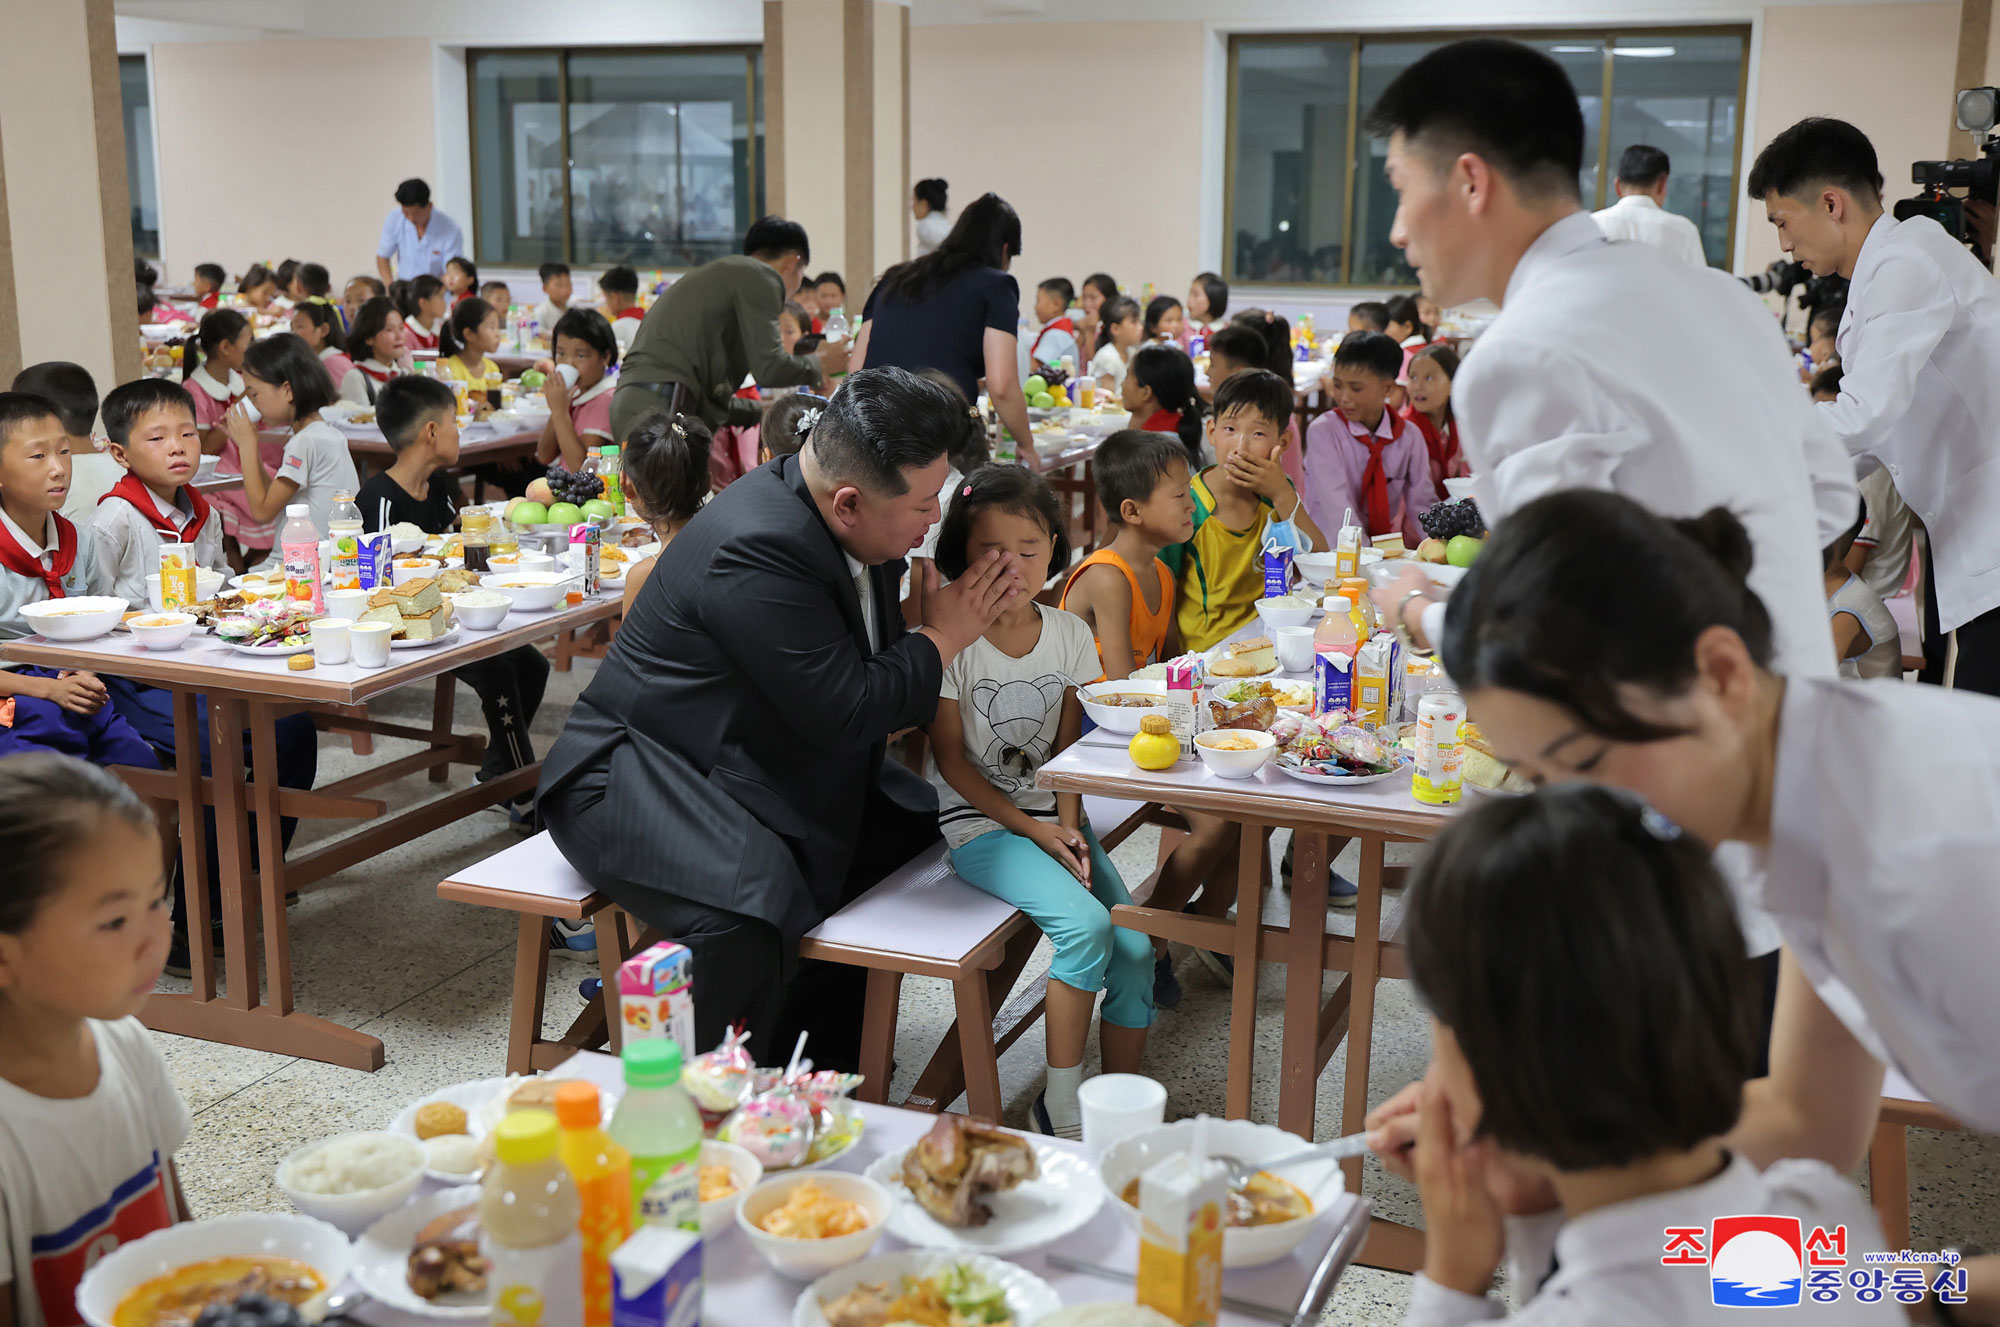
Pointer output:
1036, 383
565, 513
533, 380
1462, 550
597, 509
1042, 401
528, 513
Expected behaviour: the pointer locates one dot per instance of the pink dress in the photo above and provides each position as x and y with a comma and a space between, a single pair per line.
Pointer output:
338, 365
590, 413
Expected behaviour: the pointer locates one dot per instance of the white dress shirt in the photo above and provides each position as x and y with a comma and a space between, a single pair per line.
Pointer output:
1885, 827
864, 588
1637, 217
1919, 345
1608, 1267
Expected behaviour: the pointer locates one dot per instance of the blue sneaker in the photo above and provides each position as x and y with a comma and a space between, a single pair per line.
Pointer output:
576, 940
1166, 986
590, 988
1341, 892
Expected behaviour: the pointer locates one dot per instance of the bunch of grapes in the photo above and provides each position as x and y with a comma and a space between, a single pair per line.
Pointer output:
575, 488
1446, 519
251, 1310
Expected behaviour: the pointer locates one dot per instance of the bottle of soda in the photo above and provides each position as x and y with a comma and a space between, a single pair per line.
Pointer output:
298, 546
343, 527
658, 1124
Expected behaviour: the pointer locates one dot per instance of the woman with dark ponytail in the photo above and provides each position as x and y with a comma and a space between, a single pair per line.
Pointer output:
1595, 640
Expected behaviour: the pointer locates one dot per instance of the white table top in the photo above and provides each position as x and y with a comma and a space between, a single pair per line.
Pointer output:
741, 1290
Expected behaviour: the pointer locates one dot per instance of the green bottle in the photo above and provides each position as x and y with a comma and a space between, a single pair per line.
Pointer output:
658, 1124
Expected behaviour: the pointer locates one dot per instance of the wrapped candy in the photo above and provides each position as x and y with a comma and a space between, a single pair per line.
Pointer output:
777, 1128
835, 1122
722, 1079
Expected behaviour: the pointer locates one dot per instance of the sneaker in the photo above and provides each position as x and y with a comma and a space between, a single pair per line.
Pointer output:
576, 940
1038, 1117
1341, 892
1222, 967
1166, 986
180, 959
590, 988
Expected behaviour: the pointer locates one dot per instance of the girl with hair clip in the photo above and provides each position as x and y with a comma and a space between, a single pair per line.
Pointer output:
461, 280
474, 334
423, 305
209, 371
1159, 391
376, 346
1091, 296
665, 468
1430, 372
317, 323
1165, 320
579, 411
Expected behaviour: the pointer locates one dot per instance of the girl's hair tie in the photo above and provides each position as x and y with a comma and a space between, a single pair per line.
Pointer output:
965, 492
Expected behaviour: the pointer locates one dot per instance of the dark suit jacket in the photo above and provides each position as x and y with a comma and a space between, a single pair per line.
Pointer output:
737, 724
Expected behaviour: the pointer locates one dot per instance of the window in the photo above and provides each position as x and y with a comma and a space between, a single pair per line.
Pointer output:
141, 183
596, 157
1306, 200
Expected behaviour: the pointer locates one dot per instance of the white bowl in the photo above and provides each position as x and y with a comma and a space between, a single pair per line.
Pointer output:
355, 1212
166, 633
1235, 764
477, 616
247, 1234
413, 569
804, 1259
719, 1215
207, 584
1242, 1246
1119, 718
522, 562
531, 591
405, 547
1460, 487
79, 617
1276, 615
1317, 568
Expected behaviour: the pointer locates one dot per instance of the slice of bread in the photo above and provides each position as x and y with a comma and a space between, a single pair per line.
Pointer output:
386, 613
417, 596
1247, 658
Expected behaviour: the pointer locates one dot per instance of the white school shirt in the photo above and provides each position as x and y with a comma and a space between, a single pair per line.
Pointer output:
1108, 363
17, 591
1886, 535
1884, 655
1885, 827
1608, 1268
1637, 217
91, 476
932, 228
128, 545
317, 460
548, 315
1918, 346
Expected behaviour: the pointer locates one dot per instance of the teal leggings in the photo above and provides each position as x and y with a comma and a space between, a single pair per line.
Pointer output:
1091, 953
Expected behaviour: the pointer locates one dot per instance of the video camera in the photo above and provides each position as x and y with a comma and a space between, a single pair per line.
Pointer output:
1785, 275
1978, 110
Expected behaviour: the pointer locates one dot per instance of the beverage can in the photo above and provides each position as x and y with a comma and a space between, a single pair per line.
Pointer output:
1438, 776
177, 578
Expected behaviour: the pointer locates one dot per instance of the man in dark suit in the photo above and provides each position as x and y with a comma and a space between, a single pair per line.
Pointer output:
723, 776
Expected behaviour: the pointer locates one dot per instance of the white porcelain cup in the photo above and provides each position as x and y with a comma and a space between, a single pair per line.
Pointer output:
1116, 1106
331, 644
370, 641
1295, 648
347, 604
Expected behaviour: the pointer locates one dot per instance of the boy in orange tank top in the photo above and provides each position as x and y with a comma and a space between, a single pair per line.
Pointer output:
1126, 594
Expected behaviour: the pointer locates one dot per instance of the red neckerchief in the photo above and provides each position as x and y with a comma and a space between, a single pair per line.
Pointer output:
210, 300
22, 563
631, 311
134, 490
383, 376
1442, 444
1163, 421
1059, 325
1374, 479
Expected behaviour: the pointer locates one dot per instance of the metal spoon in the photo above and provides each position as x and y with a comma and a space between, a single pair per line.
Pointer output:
1338, 1149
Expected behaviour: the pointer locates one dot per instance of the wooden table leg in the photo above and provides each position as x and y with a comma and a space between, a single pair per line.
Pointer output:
1305, 948
270, 855
975, 1039
1361, 1016
1889, 1182
878, 1034
232, 857
531, 984
441, 723
196, 916
610, 954
1251, 853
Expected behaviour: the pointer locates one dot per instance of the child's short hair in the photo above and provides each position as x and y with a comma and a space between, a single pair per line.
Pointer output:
1585, 954
258, 275
465, 265
127, 402
404, 403
314, 280
590, 327
1010, 488
491, 288
1826, 381
664, 465
68, 387
369, 320
212, 273
50, 806
1258, 390
1217, 290
549, 271
1403, 309
416, 291
1156, 309
1374, 314
620, 280
17, 409
1239, 345
327, 318
286, 360
1826, 321
1170, 374
1374, 351
1060, 287
1131, 464
799, 315
788, 422
830, 279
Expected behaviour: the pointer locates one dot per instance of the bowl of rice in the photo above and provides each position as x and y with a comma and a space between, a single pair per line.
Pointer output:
351, 1180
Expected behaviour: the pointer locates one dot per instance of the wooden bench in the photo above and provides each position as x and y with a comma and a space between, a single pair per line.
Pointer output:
1889, 1153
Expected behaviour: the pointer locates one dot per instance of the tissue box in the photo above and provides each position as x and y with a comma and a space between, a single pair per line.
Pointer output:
656, 1278
656, 996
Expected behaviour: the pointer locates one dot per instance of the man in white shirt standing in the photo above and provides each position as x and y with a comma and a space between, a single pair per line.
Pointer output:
1918, 393
1641, 210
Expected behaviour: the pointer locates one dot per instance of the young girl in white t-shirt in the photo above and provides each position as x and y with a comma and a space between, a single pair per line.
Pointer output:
289, 386
89, 1117
1123, 329
1008, 704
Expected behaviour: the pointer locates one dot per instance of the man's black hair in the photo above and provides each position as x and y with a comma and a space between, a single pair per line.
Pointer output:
1131, 464
881, 422
620, 280
553, 269
18, 408
1259, 390
772, 236
1060, 287
1374, 313
413, 193
66, 386
125, 403
1816, 152
405, 402
1508, 103
1642, 166
1373, 351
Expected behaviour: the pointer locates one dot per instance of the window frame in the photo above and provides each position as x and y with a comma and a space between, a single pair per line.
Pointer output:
144, 60
1609, 36
753, 83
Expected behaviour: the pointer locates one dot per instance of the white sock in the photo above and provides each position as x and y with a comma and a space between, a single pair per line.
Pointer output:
1064, 1114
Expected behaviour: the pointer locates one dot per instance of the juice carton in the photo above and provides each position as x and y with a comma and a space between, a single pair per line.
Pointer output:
1181, 1205
1372, 682
656, 1278
656, 995
371, 560
1277, 570
585, 542
1347, 549
177, 577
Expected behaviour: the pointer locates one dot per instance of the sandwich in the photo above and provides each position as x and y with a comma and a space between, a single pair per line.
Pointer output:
959, 1162
1246, 658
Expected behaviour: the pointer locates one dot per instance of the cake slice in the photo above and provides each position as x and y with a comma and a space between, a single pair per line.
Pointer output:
417, 596
426, 626
387, 613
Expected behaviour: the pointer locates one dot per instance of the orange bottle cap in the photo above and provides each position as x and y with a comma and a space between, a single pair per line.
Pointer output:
576, 1105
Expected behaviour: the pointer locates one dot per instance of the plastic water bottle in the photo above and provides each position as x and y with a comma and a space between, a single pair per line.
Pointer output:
608, 469
658, 1124
343, 527
298, 545
836, 325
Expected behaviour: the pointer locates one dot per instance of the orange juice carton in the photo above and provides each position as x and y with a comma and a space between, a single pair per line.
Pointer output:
656, 1278
656, 996
1373, 680
1182, 1201
177, 577
1347, 549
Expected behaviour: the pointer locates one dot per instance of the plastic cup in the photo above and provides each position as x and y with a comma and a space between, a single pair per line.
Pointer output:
370, 644
331, 642
1295, 648
347, 604
1117, 1106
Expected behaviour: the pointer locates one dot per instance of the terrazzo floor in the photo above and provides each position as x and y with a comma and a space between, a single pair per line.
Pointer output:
375, 948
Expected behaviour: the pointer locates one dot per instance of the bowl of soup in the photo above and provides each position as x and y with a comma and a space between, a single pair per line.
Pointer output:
1267, 1217
1235, 753
162, 631
1118, 706
176, 1271
80, 617
531, 591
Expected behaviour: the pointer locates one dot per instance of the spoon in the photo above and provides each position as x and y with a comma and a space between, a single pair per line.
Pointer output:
1338, 1149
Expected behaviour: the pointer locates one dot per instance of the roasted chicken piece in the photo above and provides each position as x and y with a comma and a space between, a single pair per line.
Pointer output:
959, 1162
445, 1257
1257, 714
863, 1306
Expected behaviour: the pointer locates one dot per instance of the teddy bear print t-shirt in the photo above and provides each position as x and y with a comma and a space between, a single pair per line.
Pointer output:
1009, 710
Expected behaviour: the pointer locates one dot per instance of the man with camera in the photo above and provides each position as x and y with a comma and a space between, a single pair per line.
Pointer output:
1918, 394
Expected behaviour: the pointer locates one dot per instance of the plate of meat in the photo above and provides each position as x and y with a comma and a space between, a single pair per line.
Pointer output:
980, 1189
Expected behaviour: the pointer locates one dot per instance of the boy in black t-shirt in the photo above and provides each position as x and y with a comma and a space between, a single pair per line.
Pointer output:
416, 414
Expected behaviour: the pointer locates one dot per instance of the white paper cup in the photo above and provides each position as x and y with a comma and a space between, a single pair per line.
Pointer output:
370, 643
568, 373
330, 640
1117, 1106
1295, 647
347, 604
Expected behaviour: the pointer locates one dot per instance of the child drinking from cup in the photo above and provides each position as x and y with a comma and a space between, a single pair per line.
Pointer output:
579, 400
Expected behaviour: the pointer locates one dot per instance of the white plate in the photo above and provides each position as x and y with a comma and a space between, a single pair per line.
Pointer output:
268, 651
1028, 1296
446, 639
1332, 781
1034, 1213
1209, 657
382, 1259
474, 1098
